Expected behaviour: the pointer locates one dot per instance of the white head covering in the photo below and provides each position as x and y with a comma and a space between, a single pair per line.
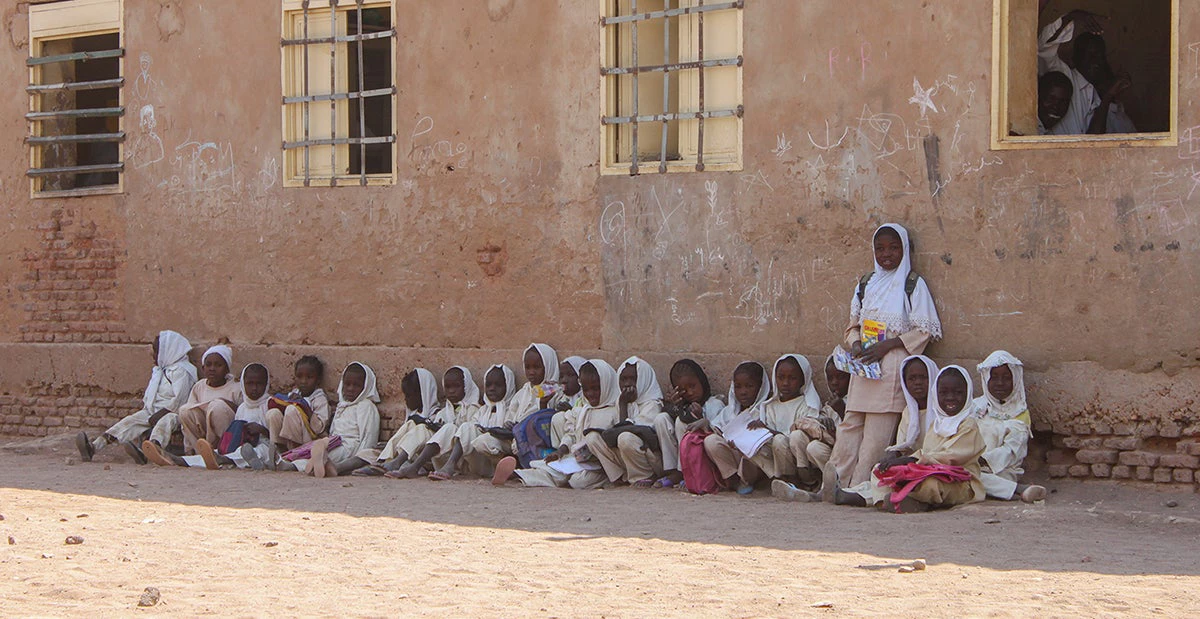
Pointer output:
173, 349
885, 300
1015, 404
428, 386
648, 389
763, 391
916, 430
940, 423
549, 361
575, 361
470, 389
510, 386
809, 389
222, 351
261, 402
369, 391
610, 383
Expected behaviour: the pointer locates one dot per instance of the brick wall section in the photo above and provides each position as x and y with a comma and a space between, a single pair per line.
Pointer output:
1158, 459
53, 409
70, 287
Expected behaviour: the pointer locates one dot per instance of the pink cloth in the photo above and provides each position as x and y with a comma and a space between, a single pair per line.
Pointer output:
304, 452
903, 478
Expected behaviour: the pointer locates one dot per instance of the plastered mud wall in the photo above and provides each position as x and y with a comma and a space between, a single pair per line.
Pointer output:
501, 229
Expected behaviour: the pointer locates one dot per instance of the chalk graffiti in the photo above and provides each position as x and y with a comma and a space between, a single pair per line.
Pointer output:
923, 97
147, 146
782, 146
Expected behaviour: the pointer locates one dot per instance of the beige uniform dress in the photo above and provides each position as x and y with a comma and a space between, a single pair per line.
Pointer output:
356, 422
203, 403
411, 435
288, 424
481, 451
601, 416
962, 449
629, 459
723, 453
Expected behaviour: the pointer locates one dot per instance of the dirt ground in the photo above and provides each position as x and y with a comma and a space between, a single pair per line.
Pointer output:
240, 543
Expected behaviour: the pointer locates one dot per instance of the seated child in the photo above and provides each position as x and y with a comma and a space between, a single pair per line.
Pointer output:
462, 405
640, 404
823, 433
944, 471
749, 389
483, 442
689, 401
1005, 424
215, 398
170, 384
572, 398
795, 401
420, 391
355, 425
600, 386
541, 391
916, 371
248, 439
303, 415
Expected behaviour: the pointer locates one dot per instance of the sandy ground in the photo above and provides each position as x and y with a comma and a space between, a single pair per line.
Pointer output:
240, 543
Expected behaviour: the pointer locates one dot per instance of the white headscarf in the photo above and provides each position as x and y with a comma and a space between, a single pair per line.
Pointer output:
428, 386
575, 361
369, 391
470, 389
916, 430
809, 389
261, 402
940, 423
763, 391
510, 388
610, 383
222, 351
885, 300
1015, 404
172, 351
648, 389
549, 361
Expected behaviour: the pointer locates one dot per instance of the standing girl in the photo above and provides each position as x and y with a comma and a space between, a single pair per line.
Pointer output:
892, 316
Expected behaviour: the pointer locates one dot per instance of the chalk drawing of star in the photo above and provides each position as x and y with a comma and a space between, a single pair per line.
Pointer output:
923, 97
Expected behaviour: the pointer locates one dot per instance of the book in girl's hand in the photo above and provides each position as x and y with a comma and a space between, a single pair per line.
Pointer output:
847, 363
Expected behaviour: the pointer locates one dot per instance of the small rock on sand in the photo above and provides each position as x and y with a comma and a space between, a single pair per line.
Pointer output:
149, 598
271, 544
822, 605
1172, 503
72, 460
907, 569
108, 467
73, 540
11, 541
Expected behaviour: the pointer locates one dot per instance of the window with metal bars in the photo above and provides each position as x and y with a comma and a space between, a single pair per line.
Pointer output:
76, 113
671, 82
338, 93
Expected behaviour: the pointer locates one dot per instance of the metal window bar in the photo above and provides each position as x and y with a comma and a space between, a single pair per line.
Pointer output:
38, 117
667, 68
305, 98
35, 61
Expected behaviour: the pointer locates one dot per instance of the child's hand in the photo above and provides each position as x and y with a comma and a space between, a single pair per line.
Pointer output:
856, 350
888, 462
563, 406
876, 353
699, 426
696, 409
508, 425
757, 425
629, 395
545, 401
675, 396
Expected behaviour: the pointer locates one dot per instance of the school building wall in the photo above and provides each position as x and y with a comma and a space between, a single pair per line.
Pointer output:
501, 230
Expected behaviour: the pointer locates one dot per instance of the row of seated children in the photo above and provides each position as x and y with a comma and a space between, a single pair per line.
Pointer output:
583, 423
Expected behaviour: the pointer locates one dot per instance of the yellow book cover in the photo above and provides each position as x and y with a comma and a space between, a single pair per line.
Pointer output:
873, 332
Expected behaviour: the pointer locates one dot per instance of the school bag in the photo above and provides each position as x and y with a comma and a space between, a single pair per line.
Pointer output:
232, 438
533, 437
699, 472
910, 284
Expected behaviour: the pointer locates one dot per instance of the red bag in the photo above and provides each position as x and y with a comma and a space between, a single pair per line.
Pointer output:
699, 473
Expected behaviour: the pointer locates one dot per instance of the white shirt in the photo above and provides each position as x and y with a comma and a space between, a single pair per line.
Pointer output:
1085, 99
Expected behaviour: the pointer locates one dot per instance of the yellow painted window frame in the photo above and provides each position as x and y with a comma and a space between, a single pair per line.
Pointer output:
1014, 50
291, 70
68, 20
726, 157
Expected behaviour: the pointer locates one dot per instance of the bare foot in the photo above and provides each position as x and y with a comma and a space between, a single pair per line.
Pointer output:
782, 490
410, 470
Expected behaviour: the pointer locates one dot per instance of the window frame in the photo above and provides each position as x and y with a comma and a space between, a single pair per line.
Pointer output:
1003, 26
293, 169
58, 21
610, 157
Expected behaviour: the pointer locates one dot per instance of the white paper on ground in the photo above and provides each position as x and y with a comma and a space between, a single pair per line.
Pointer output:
569, 465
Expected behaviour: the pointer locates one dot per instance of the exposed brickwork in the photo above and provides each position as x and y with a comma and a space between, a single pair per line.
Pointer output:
1160, 458
51, 409
70, 287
